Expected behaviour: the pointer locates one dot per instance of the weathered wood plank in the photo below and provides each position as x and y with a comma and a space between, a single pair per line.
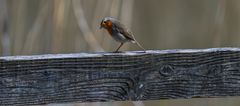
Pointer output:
136, 75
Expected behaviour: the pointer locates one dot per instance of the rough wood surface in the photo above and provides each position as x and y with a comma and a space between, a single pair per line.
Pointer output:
136, 75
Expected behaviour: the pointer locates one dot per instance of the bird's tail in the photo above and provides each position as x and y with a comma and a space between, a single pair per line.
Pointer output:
135, 41
139, 45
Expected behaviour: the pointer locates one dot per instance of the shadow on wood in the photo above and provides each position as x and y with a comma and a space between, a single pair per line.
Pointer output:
135, 75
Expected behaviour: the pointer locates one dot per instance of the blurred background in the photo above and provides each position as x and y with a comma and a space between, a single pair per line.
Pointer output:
71, 26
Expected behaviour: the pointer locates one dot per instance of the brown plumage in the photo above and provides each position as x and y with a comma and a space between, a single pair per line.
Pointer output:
118, 31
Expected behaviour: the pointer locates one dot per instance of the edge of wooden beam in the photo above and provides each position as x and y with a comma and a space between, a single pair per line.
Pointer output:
124, 53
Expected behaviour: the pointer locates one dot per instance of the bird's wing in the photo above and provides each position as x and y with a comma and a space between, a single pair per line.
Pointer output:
123, 30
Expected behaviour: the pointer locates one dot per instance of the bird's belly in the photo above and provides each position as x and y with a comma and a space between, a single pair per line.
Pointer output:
119, 37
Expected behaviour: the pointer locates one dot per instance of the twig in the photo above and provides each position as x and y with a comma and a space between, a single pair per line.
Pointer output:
36, 28
4, 36
84, 27
219, 21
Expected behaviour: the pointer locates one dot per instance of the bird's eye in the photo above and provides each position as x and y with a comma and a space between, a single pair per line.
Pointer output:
104, 21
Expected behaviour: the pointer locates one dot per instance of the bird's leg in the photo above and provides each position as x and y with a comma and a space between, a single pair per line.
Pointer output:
119, 47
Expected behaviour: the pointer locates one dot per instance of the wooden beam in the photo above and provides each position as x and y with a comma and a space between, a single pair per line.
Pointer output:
132, 75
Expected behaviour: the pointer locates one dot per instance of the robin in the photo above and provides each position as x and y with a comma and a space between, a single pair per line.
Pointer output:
118, 31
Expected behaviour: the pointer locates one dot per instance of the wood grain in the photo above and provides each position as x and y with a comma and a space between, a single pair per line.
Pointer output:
134, 75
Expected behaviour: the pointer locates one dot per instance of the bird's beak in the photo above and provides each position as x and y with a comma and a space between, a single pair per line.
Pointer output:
100, 27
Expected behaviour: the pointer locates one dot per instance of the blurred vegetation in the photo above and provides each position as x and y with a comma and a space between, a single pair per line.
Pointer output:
67, 26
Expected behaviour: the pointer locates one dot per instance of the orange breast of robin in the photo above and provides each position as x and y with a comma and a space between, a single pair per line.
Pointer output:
108, 25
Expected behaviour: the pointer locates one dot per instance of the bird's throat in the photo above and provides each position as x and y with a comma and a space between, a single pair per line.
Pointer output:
109, 30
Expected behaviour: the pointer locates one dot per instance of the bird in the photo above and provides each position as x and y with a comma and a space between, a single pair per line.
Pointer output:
118, 31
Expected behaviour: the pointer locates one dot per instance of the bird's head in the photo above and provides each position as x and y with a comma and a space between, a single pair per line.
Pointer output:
107, 23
